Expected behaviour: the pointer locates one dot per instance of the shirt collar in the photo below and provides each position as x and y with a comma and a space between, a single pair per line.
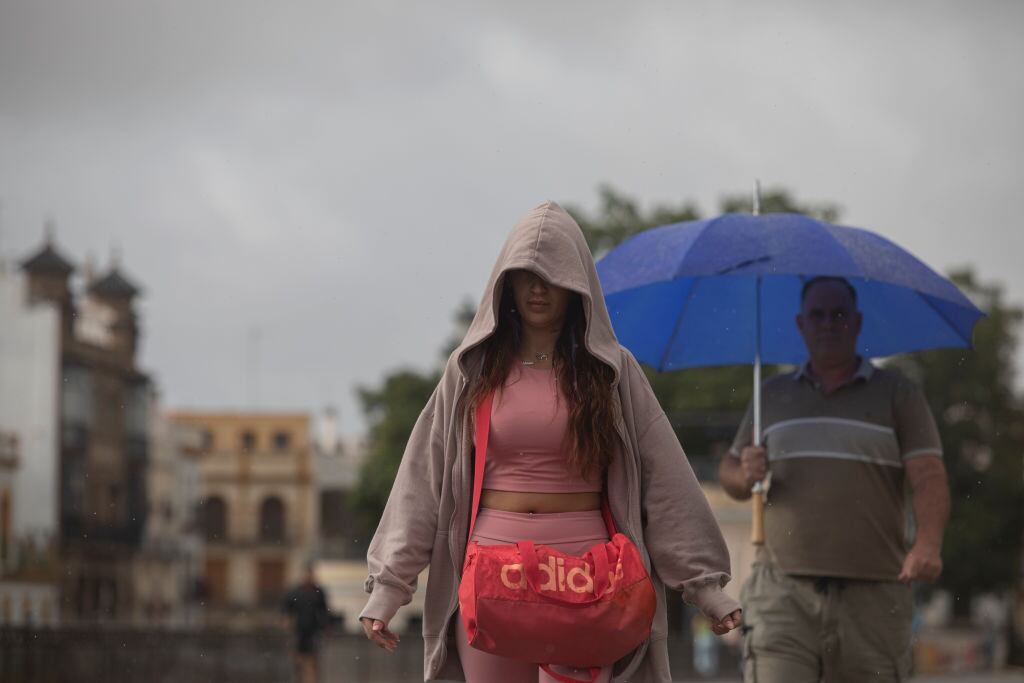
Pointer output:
865, 370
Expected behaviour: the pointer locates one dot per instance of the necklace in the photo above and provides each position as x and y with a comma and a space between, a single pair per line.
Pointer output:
541, 357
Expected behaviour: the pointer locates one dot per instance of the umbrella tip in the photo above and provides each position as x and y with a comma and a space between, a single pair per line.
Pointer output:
757, 197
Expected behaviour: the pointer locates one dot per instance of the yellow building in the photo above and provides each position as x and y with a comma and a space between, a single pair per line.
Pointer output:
257, 509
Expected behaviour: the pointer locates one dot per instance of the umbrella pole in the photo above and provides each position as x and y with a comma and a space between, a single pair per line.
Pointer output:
757, 492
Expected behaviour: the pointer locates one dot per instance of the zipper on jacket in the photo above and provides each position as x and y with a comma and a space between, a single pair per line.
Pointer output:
460, 436
453, 604
620, 428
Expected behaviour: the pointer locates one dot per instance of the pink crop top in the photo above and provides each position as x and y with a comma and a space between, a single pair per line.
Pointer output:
529, 420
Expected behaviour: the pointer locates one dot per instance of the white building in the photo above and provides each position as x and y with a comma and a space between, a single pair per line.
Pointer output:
30, 338
336, 465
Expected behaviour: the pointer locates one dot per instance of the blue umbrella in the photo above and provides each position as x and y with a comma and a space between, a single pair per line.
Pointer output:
727, 290
713, 292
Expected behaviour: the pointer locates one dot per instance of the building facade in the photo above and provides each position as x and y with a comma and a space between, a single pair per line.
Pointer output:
257, 511
337, 461
71, 393
104, 428
168, 566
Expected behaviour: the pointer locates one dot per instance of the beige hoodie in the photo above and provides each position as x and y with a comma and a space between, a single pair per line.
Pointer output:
654, 496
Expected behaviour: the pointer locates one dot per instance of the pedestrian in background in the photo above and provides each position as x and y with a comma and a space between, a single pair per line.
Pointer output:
829, 596
306, 615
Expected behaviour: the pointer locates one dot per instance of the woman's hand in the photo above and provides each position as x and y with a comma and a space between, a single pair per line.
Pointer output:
727, 623
377, 631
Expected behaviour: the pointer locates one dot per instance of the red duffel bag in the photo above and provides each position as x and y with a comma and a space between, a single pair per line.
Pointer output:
537, 604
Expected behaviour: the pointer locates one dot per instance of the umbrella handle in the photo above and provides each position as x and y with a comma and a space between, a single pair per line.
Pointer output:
757, 525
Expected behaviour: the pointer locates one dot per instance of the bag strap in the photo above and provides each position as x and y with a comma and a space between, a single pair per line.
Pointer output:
606, 512
483, 430
594, 673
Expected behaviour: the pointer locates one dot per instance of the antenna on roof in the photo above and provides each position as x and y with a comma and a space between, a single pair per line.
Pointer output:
252, 366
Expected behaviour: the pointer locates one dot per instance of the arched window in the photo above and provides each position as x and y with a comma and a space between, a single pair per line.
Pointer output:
282, 441
213, 515
248, 441
272, 519
205, 440
334, 522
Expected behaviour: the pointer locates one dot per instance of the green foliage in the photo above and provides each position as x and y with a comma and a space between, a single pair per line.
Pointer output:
620, 217
391, 411
463, 318
704, 406
779, 201
982, 426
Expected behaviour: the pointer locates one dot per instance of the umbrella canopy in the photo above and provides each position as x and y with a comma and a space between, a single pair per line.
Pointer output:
716, 291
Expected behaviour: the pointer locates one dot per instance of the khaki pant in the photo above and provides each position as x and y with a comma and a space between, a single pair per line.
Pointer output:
806, 630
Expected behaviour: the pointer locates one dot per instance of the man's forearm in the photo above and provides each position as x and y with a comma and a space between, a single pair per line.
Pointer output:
930, 491
732, 479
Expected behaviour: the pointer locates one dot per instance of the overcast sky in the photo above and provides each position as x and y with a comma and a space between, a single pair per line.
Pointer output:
339, 176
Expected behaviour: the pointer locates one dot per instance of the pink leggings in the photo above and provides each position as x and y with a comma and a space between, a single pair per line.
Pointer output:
570, 532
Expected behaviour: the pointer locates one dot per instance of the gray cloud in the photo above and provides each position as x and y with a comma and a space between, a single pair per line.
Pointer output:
341, 175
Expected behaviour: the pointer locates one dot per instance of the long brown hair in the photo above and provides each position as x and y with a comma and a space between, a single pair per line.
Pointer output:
585, 381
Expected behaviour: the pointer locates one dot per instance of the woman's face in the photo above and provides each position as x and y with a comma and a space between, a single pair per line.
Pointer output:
540, 304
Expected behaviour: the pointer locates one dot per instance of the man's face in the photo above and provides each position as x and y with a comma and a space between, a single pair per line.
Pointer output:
829, 323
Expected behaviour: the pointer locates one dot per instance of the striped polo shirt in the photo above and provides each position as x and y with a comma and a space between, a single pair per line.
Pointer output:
836, 505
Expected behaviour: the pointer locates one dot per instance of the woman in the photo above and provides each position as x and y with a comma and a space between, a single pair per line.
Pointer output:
573, 415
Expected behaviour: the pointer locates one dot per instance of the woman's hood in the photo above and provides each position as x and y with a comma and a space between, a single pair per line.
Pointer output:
548, 242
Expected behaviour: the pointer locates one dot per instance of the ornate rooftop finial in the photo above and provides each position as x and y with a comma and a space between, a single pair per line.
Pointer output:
48, 259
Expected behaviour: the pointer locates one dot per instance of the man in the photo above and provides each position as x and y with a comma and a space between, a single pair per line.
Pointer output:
829, 596
306, 615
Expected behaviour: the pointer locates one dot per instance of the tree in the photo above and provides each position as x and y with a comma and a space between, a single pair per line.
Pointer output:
619, 217
779, 201
971, 393
391, 411
463, 317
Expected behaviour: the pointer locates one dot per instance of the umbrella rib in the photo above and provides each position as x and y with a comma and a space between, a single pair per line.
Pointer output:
842, 248
703, 231
679, 322
744, 264
943, 318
